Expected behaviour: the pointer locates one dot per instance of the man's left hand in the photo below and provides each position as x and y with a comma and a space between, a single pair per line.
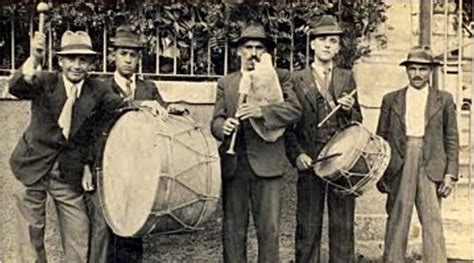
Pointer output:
246, 111
346, 101
155, 108
446, 186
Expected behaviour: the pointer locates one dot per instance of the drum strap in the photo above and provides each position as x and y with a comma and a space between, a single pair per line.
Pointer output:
323, 84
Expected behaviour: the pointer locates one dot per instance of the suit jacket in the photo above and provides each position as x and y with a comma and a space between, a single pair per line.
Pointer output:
43, 142
265, 158
145, 90
302, 137
440, 142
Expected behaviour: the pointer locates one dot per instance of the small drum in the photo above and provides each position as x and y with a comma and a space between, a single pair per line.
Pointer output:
157, 176
353, 160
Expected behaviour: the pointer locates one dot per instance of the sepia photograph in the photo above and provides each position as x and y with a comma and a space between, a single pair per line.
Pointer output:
236, 131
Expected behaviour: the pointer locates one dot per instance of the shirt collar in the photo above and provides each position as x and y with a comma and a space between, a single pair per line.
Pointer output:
318, 67
122, 81
68, 84
423, 90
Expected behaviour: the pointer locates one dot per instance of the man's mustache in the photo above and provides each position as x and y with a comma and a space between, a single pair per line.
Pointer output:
417, 78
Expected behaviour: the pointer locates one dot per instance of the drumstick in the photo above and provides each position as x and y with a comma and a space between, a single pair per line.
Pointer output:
334, 155
42, 9
334, 110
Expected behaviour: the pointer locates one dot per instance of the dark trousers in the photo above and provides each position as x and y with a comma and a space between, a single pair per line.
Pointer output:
414, 188
105, 245
30, 219
264, 196
311, 191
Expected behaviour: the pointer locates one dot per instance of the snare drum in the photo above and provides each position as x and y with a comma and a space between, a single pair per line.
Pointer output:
157, 176
360, 159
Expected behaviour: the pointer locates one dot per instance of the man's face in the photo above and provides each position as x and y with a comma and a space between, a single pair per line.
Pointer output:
75, 67
325, 47
126, 61
250, 52
419, 75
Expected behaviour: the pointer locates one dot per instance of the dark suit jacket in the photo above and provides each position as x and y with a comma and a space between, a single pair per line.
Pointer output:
43, 142
145, 90
440, 143
302, 137
266, 159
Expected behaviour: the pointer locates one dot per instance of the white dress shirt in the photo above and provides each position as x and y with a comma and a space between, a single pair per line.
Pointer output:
320, 70
416, 100
68, 84
122, 83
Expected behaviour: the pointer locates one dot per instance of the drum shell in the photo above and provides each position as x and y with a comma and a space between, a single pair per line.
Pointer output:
186, 178
364, 158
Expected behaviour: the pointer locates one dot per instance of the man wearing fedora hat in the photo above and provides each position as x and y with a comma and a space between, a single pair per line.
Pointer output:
419, 122
320, 88
127, 45
252, 177
51, 154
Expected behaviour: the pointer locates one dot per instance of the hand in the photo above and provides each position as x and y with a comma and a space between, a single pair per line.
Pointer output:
177, 109
229, 126
246, 111
87, 183
446, 186
303, 162
38, 46
155, 108
346, 101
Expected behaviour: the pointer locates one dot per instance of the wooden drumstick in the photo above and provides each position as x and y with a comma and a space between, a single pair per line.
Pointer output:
334, 110
42, 8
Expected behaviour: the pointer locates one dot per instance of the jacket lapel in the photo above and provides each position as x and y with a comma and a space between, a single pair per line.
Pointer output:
82, 107
57, 98
433, 105
337, 82
399, 108
233, 90
309, 87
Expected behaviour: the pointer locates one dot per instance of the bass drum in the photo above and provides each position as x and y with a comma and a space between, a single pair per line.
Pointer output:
157, 176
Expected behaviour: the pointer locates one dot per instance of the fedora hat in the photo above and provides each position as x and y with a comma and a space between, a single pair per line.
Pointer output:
126, 37
325, 25
255, 31
76, 43
420, 55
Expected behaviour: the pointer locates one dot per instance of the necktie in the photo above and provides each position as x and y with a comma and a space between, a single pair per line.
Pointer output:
128, 89
66, 114
326, 78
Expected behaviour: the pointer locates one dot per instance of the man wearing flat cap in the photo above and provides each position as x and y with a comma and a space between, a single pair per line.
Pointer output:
320, 89
50, 156
419, 122
252, 177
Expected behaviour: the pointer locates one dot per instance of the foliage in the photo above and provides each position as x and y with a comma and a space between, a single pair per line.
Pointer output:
205, 28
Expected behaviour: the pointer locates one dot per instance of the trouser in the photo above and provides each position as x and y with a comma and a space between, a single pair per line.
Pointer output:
264, 196
30, 215
105, 245
414, 187
311, 192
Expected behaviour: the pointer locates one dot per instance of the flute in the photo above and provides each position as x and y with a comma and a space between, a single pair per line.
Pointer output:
334, 110
244, 87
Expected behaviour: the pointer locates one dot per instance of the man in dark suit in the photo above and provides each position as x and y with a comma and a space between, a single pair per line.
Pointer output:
419, 123
255, 172
105, 245
52, 152
319, 89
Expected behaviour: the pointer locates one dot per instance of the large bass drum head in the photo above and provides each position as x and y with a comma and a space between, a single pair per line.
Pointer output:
130, 170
